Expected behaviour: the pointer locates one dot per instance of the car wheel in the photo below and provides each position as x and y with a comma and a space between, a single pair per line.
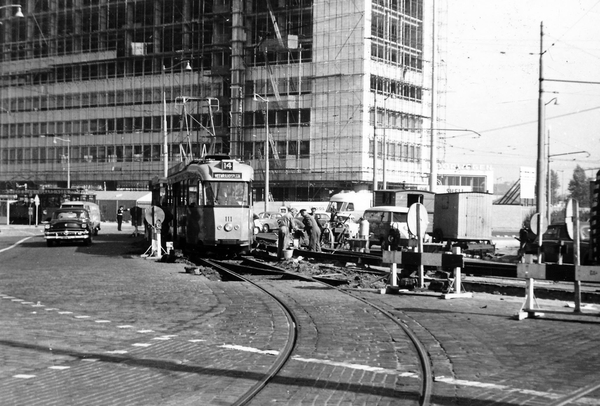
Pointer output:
256, 230
266, 228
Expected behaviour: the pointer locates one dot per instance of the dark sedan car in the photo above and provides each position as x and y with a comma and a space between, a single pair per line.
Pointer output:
70, 224
556, 239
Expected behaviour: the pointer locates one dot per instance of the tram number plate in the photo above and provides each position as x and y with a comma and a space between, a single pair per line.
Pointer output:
227, 165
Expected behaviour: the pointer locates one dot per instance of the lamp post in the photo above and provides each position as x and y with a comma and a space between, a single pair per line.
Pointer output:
68, 158
258, 97
187, 67
18, 13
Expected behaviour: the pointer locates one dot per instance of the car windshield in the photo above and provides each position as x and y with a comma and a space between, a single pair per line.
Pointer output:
70, 215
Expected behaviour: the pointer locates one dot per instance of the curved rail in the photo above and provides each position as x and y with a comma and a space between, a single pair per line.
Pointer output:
427, 384
283, 356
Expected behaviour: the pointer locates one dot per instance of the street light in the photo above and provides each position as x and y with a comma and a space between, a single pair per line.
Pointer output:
187, 67
54, 139
258, 97
18, 14
68, 158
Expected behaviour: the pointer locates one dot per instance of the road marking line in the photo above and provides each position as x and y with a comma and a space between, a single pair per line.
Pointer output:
58, 367
142, 344
15, 244
65, 312
358, 366
117, 352
23, 376
249, 349
196, 340
125, 326
145, 331
102, 321
82, 317
17, 300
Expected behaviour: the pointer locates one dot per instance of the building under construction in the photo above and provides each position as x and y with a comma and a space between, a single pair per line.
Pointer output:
105, 94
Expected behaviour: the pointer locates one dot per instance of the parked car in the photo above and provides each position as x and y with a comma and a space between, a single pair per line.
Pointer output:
69, 224
383, 219
92, 208
556, 239
267, 221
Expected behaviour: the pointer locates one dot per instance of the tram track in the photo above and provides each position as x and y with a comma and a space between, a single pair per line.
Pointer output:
263, 276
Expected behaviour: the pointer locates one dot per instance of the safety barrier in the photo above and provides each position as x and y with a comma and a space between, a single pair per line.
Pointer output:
554, 272
421, 260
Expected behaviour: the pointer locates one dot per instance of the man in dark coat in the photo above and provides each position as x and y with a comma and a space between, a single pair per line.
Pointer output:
312, 230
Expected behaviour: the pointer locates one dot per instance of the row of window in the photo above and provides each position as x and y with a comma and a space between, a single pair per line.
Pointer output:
396, 89
398, 151
138, 153
413, 8
395, 120
149, 95
196, 122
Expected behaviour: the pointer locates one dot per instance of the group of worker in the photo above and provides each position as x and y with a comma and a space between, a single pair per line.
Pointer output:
287, 227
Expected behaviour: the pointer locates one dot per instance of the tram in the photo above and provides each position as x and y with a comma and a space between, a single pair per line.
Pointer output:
208, 204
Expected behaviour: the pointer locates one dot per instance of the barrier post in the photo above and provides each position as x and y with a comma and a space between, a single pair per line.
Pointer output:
457, 281
530, 271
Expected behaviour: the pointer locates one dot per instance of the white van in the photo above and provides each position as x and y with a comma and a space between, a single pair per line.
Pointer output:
350, 204
92, 208
382, 219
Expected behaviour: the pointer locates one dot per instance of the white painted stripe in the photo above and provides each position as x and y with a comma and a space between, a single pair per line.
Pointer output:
102, 321
65, 312
17, 300
90, 360
358, 366
24, 376
82, 317
125, 326
145, 331
8, 297
26, 303
249, 349
50, 309
38, 305
15, 244
162, 338
117, 352
58, 367
196, 340
141, 344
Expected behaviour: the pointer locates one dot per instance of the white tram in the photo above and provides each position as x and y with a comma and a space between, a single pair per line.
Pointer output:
210, 203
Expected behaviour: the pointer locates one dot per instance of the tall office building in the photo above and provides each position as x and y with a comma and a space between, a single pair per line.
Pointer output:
93, 90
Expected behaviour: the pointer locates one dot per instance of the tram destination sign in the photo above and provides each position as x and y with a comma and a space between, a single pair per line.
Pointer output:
227, 175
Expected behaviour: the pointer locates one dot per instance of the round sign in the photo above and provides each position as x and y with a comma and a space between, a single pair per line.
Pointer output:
569, 216
533, 224
155, 216
417, 218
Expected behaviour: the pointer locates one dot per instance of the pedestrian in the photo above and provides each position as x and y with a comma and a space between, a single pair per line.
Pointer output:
285, 232
312, 230
136, 219
120, 217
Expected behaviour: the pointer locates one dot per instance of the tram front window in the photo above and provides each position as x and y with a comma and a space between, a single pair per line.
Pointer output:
226, 193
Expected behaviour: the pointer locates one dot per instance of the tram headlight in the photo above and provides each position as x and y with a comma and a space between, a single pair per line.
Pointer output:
228, 227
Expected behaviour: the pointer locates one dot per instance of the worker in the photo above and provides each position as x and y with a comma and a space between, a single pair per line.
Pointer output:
312, 230
120, 217
285, 232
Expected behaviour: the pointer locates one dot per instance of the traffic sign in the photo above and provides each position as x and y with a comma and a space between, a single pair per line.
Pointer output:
417, 219
155, 216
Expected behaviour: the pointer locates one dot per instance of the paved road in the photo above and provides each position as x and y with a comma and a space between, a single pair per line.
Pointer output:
101, 326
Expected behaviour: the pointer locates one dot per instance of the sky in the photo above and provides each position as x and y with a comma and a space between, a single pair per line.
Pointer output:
492, 64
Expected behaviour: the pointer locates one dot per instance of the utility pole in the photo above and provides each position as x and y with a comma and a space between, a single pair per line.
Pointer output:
541, 152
